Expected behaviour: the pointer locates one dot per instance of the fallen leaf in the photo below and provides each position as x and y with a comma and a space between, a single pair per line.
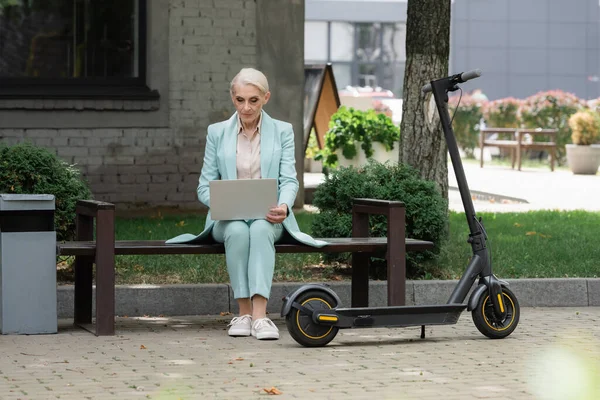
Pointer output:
518, 225
224, 313
239, 359
273, 391
142, 347
180, 223
531, 233
544, 236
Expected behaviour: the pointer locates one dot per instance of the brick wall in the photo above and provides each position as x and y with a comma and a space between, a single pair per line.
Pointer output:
209, 41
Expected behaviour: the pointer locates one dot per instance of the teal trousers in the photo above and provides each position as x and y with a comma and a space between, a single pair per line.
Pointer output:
249, 254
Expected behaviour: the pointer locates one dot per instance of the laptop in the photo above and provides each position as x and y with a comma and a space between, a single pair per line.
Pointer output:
241, 199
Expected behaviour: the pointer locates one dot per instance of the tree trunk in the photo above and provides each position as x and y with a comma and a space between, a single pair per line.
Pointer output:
427, 48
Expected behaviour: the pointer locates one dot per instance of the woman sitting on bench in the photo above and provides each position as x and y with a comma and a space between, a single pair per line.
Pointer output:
251, 145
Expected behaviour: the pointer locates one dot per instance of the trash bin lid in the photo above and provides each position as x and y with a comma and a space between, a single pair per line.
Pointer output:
17, 202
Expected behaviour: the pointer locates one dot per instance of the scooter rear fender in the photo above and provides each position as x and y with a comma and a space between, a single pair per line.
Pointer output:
290, 298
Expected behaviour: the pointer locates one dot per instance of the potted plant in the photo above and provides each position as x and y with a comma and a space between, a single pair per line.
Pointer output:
583, 156
355, 136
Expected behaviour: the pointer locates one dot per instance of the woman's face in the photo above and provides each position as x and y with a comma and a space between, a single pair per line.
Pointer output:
249, 101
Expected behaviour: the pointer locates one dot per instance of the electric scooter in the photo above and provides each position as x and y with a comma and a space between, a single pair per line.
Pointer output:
312, 314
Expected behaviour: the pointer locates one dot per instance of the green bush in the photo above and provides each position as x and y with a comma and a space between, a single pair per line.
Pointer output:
349, 126
552, 109
465, 123
426, 209
502, 113
26, 169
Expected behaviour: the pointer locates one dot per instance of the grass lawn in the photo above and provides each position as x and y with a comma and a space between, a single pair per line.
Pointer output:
536, 244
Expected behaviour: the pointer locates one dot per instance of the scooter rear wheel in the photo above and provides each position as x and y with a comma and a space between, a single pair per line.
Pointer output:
301, 326
488, 323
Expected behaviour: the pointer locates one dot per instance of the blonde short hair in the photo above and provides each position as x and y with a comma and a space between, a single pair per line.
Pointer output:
250, 76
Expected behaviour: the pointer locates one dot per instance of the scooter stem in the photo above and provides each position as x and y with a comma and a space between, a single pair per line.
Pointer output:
477, 237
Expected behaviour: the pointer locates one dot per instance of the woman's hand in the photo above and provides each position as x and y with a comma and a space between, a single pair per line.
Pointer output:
277, 214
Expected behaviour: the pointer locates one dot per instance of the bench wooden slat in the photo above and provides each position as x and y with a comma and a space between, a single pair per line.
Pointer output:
157, 247
501, 143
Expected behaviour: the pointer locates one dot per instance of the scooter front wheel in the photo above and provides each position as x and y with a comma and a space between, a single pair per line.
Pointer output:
301, 326
488, 323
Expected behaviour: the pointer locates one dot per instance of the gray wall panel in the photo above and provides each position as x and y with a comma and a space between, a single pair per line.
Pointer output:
527, 34
488, 34
567, 11
569, 83
488, 10
528, 61
592, 36
530, 10
571, 35
489, 60
459, 32
459, 60
591, 63
495, 85
566, 62
545, 40
521, 86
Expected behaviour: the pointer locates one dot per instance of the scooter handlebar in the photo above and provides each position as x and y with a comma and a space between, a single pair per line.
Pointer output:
458, 78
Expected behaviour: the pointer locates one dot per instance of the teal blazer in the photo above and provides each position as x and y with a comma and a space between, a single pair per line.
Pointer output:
277, 160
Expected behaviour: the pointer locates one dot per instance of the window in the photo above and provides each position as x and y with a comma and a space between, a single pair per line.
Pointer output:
342, 41
362, 54
315, 40
73, 49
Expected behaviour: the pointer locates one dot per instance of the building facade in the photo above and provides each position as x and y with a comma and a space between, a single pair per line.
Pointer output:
127, 94
522, 46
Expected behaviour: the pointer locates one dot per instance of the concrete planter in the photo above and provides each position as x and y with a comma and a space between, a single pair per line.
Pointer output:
583, 160
311, 165
380, 154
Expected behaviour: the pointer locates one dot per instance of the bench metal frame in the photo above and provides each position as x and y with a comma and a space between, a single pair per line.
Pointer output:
517, 145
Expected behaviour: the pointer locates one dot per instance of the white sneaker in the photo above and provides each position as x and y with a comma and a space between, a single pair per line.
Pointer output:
265, 329
240, 326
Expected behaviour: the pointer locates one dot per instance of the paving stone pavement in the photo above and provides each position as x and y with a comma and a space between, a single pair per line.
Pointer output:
553, 354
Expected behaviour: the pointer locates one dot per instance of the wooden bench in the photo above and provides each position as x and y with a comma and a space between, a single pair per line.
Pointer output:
518, 142
103, 250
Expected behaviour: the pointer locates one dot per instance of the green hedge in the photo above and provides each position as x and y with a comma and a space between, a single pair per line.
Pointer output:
426, 209
26, 169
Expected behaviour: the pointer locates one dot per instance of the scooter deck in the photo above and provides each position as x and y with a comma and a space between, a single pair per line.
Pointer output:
364, 317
